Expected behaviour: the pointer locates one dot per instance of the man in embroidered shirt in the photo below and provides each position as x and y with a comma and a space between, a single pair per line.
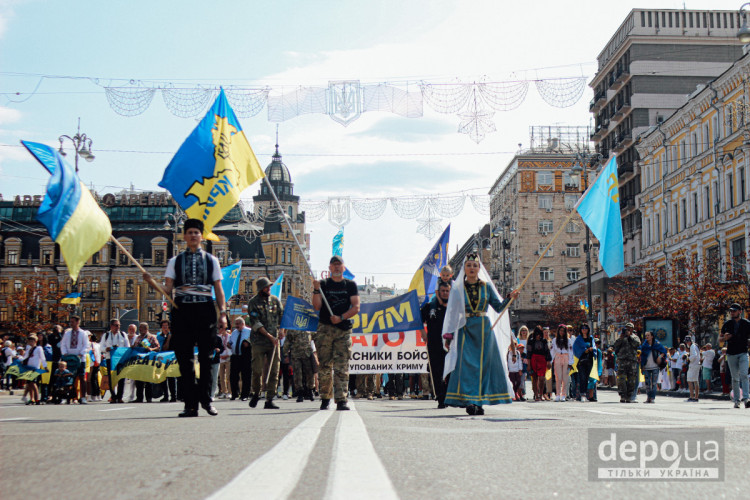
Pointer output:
75, 342
191, 274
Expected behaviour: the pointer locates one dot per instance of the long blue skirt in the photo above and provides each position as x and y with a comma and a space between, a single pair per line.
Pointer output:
479, 377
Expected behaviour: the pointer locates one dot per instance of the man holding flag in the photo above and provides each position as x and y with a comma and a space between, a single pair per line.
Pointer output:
426, 277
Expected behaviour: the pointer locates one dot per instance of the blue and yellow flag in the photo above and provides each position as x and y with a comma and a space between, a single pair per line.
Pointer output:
70, 213
212, 167
71, 298
299, 315
426, 277
600, 210
338, 243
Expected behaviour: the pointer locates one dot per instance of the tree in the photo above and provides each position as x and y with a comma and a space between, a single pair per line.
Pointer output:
28, 304
565, 309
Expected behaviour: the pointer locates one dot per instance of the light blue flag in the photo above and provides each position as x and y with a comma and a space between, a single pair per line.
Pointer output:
600, 210
276, 287
230, 280
338, 243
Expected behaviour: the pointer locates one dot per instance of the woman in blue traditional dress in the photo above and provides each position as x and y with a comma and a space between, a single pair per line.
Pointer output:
477, 353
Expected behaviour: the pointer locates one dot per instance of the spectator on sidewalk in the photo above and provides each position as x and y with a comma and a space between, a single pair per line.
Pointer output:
653, 354
707, 363
735, 333
693, 371
726, 382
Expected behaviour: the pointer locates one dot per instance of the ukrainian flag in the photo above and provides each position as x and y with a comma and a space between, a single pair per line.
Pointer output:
69, 211
71, 298
425, 279
600, 210
212, 167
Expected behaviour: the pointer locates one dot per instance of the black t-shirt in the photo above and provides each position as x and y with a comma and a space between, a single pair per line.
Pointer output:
434, 314
338, 295
740, 334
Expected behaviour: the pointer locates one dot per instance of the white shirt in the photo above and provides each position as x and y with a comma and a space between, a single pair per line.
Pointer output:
97, 352
237, 337
554, 351
695, 355
678, 359
82, 347
9, 355
35, 357
708, 358
517, 365
109, 340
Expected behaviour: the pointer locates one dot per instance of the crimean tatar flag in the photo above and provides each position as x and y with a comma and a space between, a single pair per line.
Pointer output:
425, 279
212, 167
70, 213
600, 210
276, 287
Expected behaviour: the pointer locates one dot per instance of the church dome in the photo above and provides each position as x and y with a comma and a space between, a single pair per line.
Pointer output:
276, 171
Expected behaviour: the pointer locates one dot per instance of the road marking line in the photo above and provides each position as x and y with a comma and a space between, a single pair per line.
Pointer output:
119, 409
356, 469
276, 473
17, 418
602, 412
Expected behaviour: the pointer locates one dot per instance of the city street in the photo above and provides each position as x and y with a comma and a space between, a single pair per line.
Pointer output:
381, 449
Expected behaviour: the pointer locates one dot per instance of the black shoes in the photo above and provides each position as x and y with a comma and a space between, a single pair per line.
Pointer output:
474, 410
341, 406
164, 400
188, 413
310, 395
270, 406
254, 401
300, 398
441, 406
324, 404
210, 409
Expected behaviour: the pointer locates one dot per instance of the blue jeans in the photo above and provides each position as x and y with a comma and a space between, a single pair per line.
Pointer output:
651, 378
738, 364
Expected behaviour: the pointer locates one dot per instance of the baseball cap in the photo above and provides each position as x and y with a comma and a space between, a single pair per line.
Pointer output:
629, 325
735, 307
336, 258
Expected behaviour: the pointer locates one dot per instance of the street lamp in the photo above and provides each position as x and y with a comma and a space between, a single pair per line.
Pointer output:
506, 233
178, 219
744, 33
81, 145
576, 172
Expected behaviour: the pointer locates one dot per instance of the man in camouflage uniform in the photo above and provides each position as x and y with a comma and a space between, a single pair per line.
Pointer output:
265, 312
298, 346
626, 352
333, 339
365, 386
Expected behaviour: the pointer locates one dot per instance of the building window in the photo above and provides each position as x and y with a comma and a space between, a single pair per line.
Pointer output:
657, 232
546, 274
713, 264
570, 181
94, 285
683, 204
129, 287
706, 203
248, 287
730, 190
546, 298
549, 253
159, 257
95, 315
570, 201
572, 227
115, 287
545, 226
738, 258
742, 184
17, 286
632, 255
545, 201
3, 314
151, 315
546, 179
289, 255
573, 274
283, 256
572, 250
46, 257
4, 287
52, 286
123, 259
12, 258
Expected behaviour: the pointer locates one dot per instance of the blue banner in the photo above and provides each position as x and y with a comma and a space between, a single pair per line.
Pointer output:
399, 314
299, 315
230, 280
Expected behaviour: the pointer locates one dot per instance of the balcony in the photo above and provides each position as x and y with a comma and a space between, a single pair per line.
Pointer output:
92, 296
623, 76
598, 133
600, 98
625, 168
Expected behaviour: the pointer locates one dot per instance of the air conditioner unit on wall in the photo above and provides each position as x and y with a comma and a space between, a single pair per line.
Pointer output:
548, 210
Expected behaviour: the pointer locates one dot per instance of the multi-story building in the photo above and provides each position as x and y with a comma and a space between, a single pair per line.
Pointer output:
530, 202
646, 70
694, 175
478, 243
149, 226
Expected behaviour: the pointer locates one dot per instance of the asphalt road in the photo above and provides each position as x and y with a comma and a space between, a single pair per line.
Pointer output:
381, 449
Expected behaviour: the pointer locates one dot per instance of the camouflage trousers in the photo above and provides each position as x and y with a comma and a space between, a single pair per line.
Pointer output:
365, 385
304, 378
627, 379
261, 353
334, 348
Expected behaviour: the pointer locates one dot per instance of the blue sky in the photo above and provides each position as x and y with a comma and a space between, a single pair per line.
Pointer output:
285, 44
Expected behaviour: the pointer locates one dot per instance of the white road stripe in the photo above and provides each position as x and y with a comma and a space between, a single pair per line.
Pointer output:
9, 419
275, 474
602, 412
119, 409
356, 470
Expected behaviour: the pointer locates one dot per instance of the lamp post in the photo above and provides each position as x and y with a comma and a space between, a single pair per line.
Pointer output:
506, 232
580, 169
178, 219
81, 145
744, 33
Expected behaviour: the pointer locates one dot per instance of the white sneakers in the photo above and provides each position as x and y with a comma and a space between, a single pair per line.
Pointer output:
557, 399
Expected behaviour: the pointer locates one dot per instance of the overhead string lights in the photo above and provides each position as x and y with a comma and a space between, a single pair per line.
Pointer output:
344, 101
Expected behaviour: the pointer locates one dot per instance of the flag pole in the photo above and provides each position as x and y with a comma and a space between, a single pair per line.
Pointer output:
291, 230
139, 266
541, 256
